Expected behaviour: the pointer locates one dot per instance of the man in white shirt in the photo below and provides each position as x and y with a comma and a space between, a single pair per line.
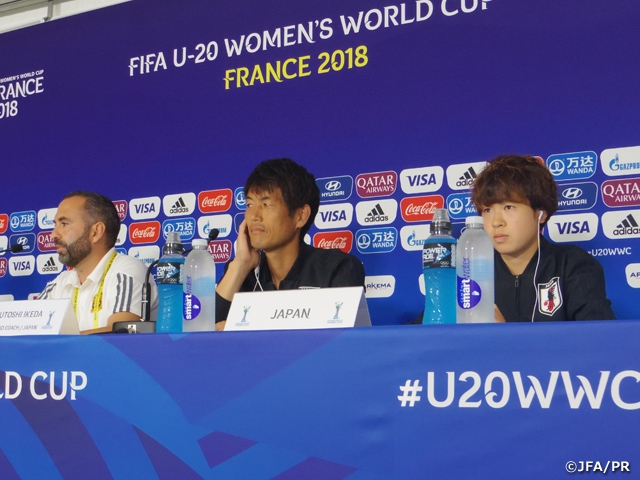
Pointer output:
105, 287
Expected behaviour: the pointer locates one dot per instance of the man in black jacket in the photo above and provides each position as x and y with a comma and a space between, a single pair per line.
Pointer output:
535, 280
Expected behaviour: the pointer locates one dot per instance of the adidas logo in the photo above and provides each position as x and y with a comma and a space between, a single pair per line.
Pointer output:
629, 226
376, 215
467, 179
179, 207
50, 266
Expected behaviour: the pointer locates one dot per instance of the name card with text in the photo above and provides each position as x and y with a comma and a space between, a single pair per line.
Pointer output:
299, 309
37, 317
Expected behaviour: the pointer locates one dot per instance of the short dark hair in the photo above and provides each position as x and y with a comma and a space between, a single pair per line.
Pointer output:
517, 178
100, 209
297, 185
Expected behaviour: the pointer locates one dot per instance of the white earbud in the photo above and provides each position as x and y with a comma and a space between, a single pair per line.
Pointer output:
540, 216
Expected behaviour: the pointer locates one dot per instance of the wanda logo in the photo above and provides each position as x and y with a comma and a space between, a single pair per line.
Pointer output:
213, 201
144, 232
45, 242
420, 209
4, 222
3, 267
121, 207
342, 240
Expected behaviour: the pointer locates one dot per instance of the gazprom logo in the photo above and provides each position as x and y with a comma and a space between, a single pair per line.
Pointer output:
572, 166
334, 189
460, 206
376, 240
45, 218
186, 227
239, 198
577, 196
23, 221
620, 161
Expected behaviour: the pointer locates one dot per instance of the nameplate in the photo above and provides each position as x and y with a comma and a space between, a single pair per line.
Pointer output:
37, 317
299, 309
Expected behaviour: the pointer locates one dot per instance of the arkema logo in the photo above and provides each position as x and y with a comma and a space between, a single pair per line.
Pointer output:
46, 217
421, 180
48, 264
23, 221
462, 176
337, 215
577, 196
122, 235
632, 271
27, 240
147, 254
621, 224
460, 206
186, 227
143, 208
376, 240
580, 227
377, 212
620, 161
179, 205
380, 286
335, 189
572, 166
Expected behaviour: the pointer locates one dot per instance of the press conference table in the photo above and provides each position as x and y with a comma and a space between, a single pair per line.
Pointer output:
461, 401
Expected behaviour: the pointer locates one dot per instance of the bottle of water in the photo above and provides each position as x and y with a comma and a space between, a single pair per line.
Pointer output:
169, 282
474, 265
439, 271
199, 275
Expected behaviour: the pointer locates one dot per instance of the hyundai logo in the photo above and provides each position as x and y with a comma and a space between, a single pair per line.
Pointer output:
572, 192
332, 185
23, 241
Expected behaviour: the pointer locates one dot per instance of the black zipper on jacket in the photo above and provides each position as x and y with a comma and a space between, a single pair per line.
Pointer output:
517, 285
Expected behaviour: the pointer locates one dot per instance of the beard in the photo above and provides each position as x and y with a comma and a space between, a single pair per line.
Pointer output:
76, 251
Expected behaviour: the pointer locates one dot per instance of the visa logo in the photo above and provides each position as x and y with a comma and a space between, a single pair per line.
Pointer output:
22, 266
573, 227
145, 208
422, 180
334, 216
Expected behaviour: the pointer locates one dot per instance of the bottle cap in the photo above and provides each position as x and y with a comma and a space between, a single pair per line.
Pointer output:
474, 220
441, 224
199, 242
174, 244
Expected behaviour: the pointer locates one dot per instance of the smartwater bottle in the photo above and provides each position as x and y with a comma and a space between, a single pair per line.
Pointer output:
439, 271
199, 288
169, 282
474, 265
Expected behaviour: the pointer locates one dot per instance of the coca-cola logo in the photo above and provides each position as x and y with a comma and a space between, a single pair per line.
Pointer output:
420, 209
4, 222
212, 201
220, 250
3, 267
45, 242
144, 232
342, 240
121, 208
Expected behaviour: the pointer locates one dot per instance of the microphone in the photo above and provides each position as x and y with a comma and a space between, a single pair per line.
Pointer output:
146, 288
18, 248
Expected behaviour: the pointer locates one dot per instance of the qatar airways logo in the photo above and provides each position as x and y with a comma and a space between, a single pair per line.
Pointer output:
220, 250
144, 232
144, 208
45, 242
420, 209
621, 193
213, 201
3, 267
4, 222
341, 240
378, 184
121, 208
178, 205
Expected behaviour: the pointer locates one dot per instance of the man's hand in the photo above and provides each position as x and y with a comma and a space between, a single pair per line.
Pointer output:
247, 257
499, 318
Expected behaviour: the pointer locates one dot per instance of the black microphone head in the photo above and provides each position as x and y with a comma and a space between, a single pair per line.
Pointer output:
17, 248
213, 234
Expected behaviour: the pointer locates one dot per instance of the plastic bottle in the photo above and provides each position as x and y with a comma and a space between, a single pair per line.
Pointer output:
199, 288
439, 271
169, 282
474, 268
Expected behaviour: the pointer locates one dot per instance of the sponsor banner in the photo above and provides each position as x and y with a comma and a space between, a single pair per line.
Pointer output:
378, 184
4, 243
27, 240
461, 176
620, 161
179, 204
147, 254
221, 222
45, 242
421, 180
621, 224
186, 227
144, 208
121, 250
335, 215
22, 266
335, 189
632, 272
413, 237
220, 250
420, 209
342, 240
46, 217
121, 208
572, 166
376, 212
238, 218
4, 222
422, 288
122, 235
214, 201
577, 196
239, 198
376, 240
380, 286
460, 206
621, 193
48, 264
3, 267
579, 227
144, 232
23, 221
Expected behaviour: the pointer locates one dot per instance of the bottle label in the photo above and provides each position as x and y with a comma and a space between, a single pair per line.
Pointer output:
168, 273
468, 291
190, 306
439, 255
